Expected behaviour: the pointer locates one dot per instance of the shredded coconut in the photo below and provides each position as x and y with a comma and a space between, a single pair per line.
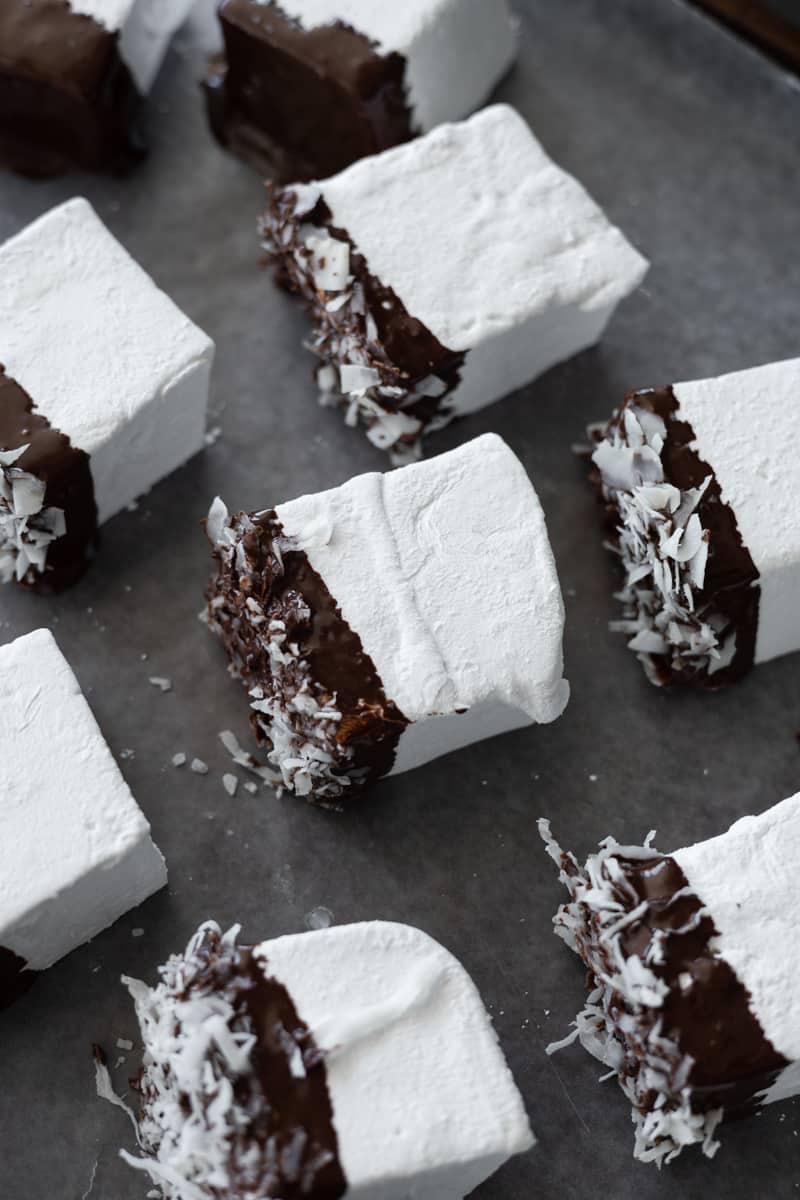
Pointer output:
356, 374
621, 1025
664, 551
27, 528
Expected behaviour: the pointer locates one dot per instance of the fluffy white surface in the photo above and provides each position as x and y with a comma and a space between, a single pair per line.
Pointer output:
75, 850
107, 357
424, 1103
456, 50
444, 569
748, 880
521, 267
746, 429
145, 28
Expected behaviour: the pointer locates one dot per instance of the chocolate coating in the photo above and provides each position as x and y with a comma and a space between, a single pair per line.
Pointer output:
66, 97
730, 588
15, 978
290, 589
711, 1020
66, 473
302, 104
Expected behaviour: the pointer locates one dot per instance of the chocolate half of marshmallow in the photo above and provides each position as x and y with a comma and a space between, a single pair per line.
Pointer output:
355, 1061
103, 391
694, 971
306, 87
72, 73
75, 851
701, 481
442, 275
393, 619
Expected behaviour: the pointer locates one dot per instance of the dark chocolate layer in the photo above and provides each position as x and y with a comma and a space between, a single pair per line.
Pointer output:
711, 1020
288, 589
302, 104
290, 1115
730, 588
67, 476
15, 978
66, 96
405, 352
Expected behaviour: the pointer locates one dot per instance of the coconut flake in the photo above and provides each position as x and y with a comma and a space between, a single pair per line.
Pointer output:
27, 528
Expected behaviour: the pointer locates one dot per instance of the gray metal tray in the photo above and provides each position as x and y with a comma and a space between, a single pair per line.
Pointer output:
690, 141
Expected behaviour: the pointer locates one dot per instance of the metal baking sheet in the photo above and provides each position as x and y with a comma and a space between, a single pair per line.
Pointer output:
690, 140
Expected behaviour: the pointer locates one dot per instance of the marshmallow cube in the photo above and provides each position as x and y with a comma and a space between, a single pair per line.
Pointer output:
305, 87
393, 619
71, 76
703, 478
75, 850
694, 962
444, 274
107, 362
374, 1058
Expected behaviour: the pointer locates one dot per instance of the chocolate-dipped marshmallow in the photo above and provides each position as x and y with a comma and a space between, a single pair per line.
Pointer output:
393, 619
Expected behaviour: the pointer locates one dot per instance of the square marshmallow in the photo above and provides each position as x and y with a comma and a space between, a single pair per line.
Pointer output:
75, 850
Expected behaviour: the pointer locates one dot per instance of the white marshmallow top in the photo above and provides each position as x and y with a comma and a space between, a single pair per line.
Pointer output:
105, 355
746, 428
455, 50
477, 230
444, 570
145, 28
423, 1102
75, 850
749, 879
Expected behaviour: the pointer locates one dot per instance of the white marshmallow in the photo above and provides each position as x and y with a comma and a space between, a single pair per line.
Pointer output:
749, 880
75, 850
423, 1102
455, 50
145, 28
491, 245
445, 571
106, 356
746, 430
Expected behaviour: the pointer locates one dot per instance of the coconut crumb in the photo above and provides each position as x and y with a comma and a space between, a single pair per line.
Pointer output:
198, 766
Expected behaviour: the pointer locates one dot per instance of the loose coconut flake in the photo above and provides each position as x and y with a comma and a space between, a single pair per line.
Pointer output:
621, 1025
664, 551
27, 528
356, 375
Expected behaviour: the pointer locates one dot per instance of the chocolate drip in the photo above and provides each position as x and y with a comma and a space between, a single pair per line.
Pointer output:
711, 1020
66, 96
371, 723
302, 104
15, 978
66, 473
730, 589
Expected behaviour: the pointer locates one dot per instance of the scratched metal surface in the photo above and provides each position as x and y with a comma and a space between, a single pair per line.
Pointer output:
690, 140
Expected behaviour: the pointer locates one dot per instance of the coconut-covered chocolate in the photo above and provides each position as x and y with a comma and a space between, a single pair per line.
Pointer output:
666, 1011
691, 591
380, 365
316, 696
48, 517
66, 95
233, 1091
302, 103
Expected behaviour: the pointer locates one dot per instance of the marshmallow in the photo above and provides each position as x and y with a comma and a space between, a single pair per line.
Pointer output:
70, 77
393, 619
75, 851
694, 963
113, 371
475, 265
705, 482
305, 87
356, 1061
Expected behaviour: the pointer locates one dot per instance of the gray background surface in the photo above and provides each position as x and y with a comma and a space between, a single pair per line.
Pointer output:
690, 141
